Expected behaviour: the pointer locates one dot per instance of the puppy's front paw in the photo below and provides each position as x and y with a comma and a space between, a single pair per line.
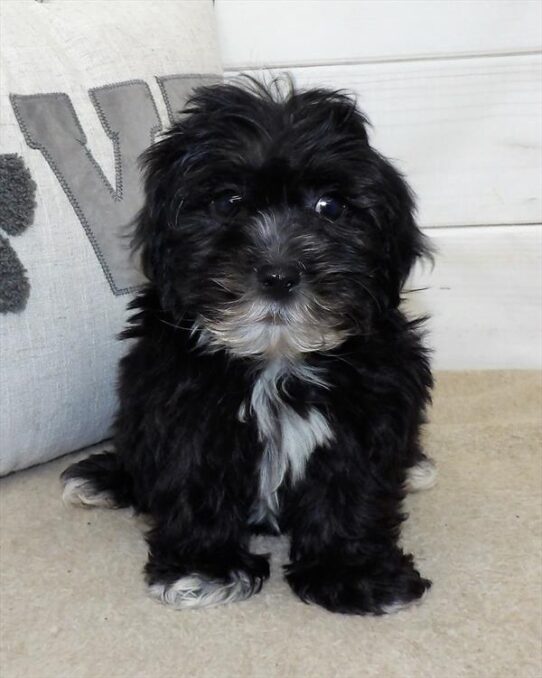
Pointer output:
206, 588
197, 590
376, 587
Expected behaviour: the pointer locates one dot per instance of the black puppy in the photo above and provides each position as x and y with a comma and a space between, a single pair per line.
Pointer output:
274, 384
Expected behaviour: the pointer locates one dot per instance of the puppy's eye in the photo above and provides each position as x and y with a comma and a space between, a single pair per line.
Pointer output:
329, 206
228, 204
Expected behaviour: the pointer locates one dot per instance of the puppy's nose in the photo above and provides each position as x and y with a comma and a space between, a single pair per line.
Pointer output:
278, 280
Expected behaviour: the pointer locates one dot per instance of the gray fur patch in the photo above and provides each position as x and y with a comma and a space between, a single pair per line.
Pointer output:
289, 439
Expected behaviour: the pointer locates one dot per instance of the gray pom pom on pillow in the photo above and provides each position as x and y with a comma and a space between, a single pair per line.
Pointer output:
17, 205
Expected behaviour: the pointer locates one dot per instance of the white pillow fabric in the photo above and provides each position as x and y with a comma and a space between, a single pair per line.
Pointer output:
85, 85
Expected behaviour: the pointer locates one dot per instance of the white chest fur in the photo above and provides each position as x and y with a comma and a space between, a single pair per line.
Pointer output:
288, 438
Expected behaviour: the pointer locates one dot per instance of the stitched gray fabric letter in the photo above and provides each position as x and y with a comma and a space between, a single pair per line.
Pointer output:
129, 116
177, 88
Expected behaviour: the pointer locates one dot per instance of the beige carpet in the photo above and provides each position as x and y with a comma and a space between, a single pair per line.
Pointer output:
73, 604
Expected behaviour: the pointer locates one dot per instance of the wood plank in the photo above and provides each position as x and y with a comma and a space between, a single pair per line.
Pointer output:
270, 33
467, 133
484, 297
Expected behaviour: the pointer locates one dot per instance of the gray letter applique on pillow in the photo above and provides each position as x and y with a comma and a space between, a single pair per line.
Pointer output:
129, 116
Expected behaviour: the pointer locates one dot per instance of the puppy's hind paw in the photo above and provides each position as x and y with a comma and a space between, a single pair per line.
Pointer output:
98, 480
421, 476
81, 492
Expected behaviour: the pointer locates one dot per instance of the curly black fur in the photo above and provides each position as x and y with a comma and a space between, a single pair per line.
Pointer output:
243, 412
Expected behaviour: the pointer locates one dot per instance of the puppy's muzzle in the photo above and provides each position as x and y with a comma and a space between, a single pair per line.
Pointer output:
278, 281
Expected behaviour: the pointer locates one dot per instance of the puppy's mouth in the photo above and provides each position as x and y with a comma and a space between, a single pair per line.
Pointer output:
254, 327
274, 316
274, 320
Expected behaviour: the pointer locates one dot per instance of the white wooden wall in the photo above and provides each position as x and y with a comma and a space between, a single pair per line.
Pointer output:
454, 91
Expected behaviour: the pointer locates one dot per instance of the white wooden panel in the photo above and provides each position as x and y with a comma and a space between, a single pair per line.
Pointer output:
256, 33
484, 296
467, 133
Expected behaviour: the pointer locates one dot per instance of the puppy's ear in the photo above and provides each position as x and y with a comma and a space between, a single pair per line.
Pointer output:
394, 213
164, 166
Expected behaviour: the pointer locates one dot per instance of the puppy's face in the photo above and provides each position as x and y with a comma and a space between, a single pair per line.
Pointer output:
272, 224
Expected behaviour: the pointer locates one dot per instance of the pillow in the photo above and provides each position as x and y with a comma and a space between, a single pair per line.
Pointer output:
85, 87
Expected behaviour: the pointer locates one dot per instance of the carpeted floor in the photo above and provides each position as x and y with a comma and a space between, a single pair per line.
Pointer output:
73, 603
